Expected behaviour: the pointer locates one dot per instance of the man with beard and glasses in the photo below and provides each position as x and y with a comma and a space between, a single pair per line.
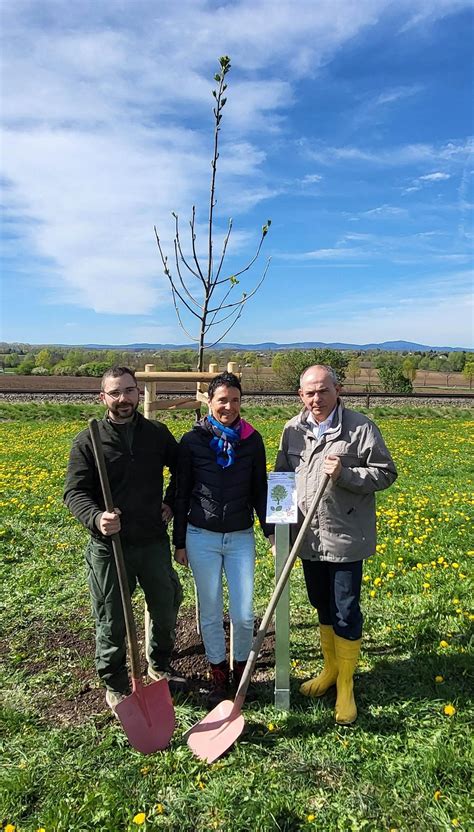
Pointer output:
136, 450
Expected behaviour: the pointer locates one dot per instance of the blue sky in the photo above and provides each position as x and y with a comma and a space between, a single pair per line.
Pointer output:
348, 124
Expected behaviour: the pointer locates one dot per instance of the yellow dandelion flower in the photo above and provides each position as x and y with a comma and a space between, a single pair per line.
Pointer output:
454, 822
159, 809
426, 585
271, 726
455, 565
310, 818
443, 643
377, 581
439, 679
139, 818
10, 827
373, 593
449, 710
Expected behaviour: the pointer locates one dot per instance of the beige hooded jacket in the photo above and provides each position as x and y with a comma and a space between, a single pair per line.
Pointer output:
344, 528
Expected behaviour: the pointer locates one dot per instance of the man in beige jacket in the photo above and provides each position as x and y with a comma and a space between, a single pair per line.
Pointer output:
327, 438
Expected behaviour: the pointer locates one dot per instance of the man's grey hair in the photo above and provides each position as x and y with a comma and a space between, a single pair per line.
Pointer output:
332, 373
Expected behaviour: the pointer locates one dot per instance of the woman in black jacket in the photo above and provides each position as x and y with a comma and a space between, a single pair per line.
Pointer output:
221, 481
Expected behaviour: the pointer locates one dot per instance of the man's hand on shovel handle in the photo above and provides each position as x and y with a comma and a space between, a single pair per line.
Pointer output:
332, 466
109, 522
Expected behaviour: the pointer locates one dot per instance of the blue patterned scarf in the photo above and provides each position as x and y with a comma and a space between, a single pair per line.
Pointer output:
223, 441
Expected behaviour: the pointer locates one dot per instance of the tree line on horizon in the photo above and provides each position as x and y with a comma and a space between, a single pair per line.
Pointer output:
396, 371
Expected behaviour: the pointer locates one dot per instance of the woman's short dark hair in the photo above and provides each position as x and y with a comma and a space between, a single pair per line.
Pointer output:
223, 380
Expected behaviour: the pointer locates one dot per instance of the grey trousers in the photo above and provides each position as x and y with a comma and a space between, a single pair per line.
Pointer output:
148, 564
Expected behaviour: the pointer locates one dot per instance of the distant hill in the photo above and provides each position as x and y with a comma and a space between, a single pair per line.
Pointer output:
265, 346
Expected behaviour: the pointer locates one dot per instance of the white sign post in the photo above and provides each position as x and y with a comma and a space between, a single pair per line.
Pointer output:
282, 510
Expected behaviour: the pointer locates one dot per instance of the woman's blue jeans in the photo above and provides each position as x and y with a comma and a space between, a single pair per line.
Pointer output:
210, 554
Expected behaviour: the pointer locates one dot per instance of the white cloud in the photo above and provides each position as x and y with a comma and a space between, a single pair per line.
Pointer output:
421, 181
401, 155
392, 312
434, 177
425, 12
396, 94
311, 179
340, 254
384, 211
106, 109
374, 110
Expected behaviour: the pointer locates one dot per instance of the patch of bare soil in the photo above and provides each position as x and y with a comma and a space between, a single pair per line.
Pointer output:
69, 654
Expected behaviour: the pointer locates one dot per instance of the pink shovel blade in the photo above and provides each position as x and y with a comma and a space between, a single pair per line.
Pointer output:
214, 735
147, 716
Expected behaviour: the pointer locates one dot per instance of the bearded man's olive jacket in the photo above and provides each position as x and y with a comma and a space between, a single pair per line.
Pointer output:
344, 527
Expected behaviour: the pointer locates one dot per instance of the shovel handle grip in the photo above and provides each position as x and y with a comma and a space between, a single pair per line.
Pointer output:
118, 552
280, 585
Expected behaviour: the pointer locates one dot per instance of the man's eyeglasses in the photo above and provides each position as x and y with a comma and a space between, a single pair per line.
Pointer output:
115, 394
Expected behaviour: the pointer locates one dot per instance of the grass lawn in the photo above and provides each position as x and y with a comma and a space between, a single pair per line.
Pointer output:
404, 765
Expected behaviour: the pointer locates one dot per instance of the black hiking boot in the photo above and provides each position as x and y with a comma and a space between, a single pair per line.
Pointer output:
219, 684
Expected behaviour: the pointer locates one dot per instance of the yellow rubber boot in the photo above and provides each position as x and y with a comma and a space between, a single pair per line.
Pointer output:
328, 675
347, 657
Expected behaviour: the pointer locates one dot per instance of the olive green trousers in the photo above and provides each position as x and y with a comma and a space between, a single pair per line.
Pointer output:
149, 565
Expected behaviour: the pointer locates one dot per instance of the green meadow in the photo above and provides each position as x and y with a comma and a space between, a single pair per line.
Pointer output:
406, 763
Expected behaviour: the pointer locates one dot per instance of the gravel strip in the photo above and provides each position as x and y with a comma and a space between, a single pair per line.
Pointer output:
249, 399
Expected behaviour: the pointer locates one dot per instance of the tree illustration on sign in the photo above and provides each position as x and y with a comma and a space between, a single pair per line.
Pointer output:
278, 494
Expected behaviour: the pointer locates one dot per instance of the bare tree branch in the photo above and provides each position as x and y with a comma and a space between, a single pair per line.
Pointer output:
190, 296
247, 295
177, 242
252, 261
174, 289
224, 249
209, 346
192, 223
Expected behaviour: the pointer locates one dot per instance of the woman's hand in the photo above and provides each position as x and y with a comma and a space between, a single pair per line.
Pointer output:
166, 513
181, 557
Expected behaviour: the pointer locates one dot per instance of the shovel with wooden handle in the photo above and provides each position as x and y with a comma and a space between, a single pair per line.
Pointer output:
213, 735
147, 715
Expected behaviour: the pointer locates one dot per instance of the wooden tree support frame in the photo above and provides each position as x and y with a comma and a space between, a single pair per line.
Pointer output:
152, 378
